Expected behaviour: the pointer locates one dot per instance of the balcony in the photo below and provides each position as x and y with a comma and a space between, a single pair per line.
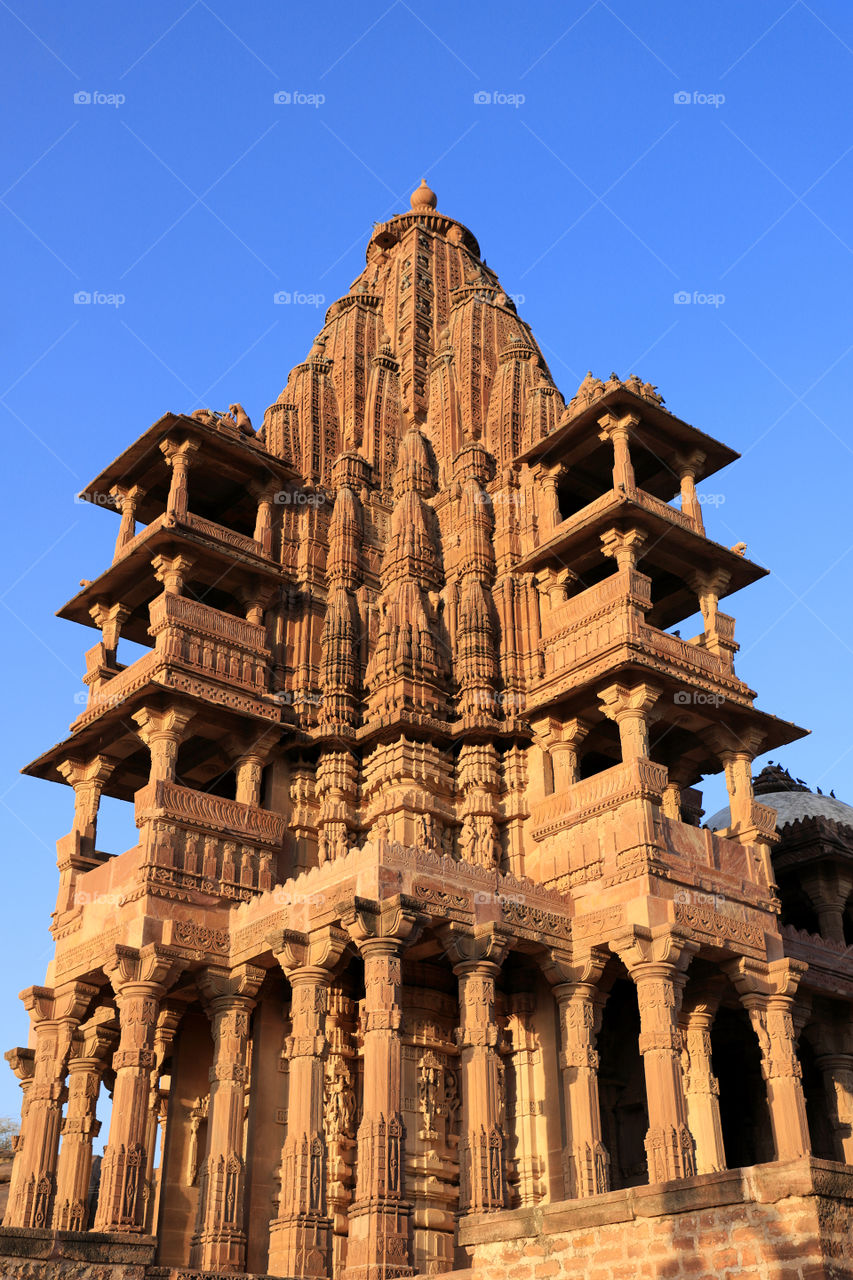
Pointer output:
192, 840
604, 628
193, 642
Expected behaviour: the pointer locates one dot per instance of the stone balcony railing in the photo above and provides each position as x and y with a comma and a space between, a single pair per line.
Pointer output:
193, 840
610, 616
634, 779
219, 533
206, 642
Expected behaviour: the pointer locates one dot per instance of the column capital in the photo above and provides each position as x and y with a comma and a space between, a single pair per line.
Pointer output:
757, 981
22, 1063
382, 927
316, 953
570, 971
149, 970
180, 451
222, 986
657, 952
123, 495
171, 571
479, 949
625, 547
96, 770
621, 701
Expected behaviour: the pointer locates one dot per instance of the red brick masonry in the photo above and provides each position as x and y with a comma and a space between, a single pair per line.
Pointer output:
790, 1221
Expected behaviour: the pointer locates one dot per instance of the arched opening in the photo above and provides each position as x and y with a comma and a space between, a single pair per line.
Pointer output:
622, 1088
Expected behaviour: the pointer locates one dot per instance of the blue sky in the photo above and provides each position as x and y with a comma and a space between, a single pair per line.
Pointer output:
626, 153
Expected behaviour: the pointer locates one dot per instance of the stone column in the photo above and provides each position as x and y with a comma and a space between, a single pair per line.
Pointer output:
88, 779
837, 1072
828, 889
565, 753
22, 1062
657, 963
767, 993
701, 1090
110, 618
379, 1215
126, 501
686, 468
168, 1021
162, 732
140, 979
264, 522
90, 1051
180, 458
580, 1003
301, 1232
617, 431
219, 1243
55, 1015
482, 1156
630, 708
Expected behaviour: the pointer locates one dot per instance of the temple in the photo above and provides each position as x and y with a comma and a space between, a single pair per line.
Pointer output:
418, 958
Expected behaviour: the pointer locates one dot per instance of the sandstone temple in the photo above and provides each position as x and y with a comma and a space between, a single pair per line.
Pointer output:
419, 958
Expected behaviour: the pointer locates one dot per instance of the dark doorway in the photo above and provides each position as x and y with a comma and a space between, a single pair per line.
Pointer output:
622, 1088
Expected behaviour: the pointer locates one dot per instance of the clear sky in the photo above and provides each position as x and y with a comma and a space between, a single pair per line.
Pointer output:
181, 163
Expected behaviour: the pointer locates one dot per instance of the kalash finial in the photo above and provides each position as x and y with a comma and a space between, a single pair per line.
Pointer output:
424, 198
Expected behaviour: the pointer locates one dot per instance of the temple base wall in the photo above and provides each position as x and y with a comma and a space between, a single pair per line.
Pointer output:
787, 1221
29, 1254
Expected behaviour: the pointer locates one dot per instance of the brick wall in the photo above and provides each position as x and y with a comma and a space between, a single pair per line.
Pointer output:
791, 1221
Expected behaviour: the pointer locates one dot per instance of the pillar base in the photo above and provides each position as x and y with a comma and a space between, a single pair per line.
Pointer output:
378, 1247
586, 1167
300, 1247
217, 1251
669, 1152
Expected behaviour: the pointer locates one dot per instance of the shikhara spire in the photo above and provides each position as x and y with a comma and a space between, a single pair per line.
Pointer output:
412, 759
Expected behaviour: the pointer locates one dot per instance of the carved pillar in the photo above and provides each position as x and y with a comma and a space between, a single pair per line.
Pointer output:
701, 1090
482, 1156
126, 501
88, 778
219, 1243
180, 458
168, 1021
686, 468
767, 993
264, 522
301, 1232
55, 1015
140, 978
657, 964
22, 1062
828, 889
580, 1003
90, 1053
110, 618
379, 1215
630, 708
617, 431
162, 732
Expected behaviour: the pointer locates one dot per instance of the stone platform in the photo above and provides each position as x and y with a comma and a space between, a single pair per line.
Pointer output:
783, 1221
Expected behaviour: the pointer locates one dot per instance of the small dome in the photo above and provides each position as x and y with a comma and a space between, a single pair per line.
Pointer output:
424, 198
792, 806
